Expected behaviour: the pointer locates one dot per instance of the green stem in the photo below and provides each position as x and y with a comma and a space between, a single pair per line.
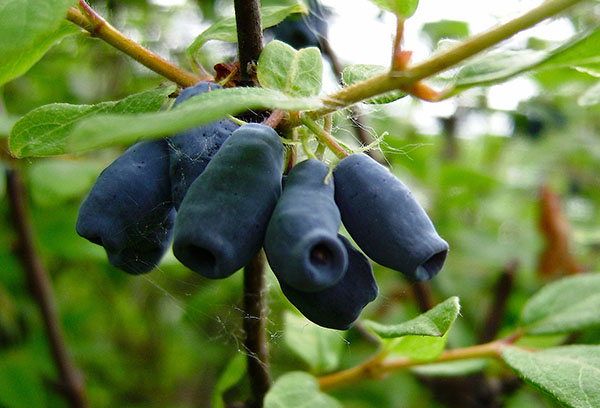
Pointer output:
438, 63
324, 137
378, 365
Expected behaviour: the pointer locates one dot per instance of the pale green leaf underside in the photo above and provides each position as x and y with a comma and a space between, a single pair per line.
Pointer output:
28, 29
44, 131
298, 390
580, 52
295, 73
320, 348
402, 8
435, 322
445, 29
225, 29
361, 72
570, 374
107, 130
566, 305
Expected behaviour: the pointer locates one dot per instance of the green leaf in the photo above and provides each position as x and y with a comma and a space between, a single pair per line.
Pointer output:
570, 374
233, 373
55, 181
225, 29
361, 72
563, 306
497, 67
44, 131
402, 8
435, 322
421, 348
320, 348
107, 130
579, 51
28, 29
452, 368
298, 390
444, 29
422, 338
295, 73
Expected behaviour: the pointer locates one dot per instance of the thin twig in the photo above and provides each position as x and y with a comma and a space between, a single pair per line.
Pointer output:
98, 27
41, 287
255, 328
503, 289
422, 293
249, 32
378, 366
250, 37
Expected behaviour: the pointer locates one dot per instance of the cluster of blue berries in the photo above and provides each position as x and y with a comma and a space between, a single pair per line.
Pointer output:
217, 191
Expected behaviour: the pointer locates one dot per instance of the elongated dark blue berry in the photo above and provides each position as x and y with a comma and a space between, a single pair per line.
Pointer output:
385, 220
128, 210
221, 223
190, 151
301, 243
338, 306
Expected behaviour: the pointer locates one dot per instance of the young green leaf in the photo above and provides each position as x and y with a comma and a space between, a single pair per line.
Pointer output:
298, 390
29, 28
435, 322
113, 129
295, 73
563, 306
421, 348
402, 8
233, 373
570, 374
361, 72
320, 348
225, 29
44, 130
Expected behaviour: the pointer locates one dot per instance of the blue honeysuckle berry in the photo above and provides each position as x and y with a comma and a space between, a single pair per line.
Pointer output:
385, 219
338, 306
191, 151
128, 210
301, 242
221, 223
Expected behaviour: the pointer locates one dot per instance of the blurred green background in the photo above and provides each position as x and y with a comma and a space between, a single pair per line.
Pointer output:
163, 340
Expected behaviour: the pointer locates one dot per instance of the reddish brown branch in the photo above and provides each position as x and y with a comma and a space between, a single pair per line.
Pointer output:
41, 288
